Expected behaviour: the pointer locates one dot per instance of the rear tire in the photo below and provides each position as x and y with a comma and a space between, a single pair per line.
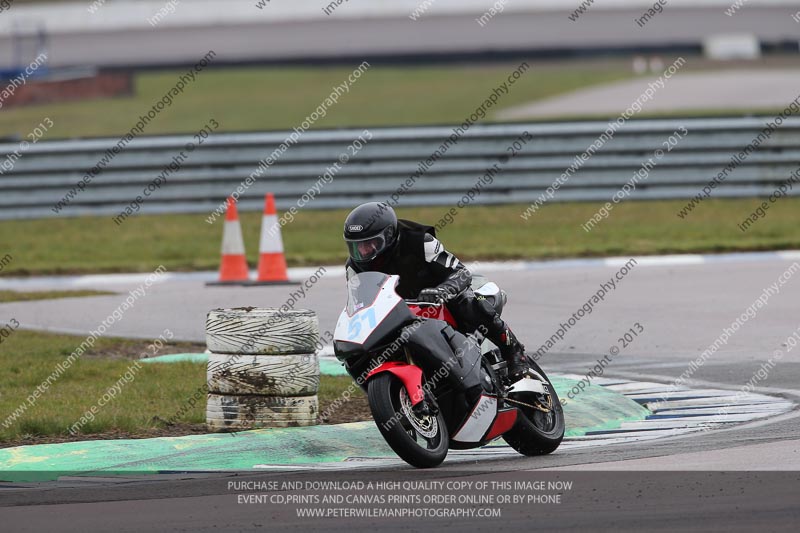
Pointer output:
386, 401
538, 433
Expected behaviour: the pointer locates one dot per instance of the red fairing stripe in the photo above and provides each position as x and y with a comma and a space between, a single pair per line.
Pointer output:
410, 375
439, 313
505, 420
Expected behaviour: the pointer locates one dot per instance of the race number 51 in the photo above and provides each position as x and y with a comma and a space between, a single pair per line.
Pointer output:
354, 328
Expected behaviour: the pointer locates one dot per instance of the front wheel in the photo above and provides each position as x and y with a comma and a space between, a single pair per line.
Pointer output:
421, 441
541, 428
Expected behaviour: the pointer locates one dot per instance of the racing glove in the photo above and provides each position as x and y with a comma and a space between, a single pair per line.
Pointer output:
433, 296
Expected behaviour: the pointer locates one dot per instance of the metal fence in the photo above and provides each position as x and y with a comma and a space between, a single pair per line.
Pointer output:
41, 175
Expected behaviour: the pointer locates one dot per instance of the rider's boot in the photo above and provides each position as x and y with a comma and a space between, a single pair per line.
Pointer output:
513, 353
481, 315
511, 349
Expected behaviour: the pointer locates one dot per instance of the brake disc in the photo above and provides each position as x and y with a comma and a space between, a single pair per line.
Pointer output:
428, 426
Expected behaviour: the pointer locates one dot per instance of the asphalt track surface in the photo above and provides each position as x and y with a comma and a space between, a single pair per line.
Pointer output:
732, 479
724, 90
739, 479
431, 35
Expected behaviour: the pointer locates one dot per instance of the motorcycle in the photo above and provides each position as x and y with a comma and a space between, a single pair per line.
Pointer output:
430, 388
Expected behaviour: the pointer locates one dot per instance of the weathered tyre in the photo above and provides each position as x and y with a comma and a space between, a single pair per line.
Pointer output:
258, 331
267, 375
233, 412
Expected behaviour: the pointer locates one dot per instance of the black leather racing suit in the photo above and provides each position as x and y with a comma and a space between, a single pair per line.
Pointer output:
422, 262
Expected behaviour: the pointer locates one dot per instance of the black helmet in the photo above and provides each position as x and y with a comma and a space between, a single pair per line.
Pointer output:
370, 230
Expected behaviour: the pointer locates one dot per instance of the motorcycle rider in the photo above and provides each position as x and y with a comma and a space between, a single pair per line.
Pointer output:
378, 241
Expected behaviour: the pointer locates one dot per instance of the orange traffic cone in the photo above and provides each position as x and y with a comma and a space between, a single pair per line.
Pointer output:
233, 268
271, 261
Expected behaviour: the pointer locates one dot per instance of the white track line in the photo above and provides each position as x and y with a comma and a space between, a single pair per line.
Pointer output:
693, 411
96, 280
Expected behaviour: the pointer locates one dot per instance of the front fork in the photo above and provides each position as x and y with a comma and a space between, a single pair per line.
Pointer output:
411, 377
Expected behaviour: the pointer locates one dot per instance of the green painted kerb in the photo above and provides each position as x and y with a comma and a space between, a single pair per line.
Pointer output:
177, 358
327, 367
594, 409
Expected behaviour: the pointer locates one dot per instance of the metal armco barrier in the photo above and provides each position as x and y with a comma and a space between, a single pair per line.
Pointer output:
44, 173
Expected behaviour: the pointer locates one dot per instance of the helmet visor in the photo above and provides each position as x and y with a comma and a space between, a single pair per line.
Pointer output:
367, 249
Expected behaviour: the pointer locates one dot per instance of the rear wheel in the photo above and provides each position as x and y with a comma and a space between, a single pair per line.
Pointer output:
421, 441
541, 428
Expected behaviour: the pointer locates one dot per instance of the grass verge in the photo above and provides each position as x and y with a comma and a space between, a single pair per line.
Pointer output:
187, 242
141, 408
18, 296
267, 98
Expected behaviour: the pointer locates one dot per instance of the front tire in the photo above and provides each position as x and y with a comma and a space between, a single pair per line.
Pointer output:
421, 442
537, 432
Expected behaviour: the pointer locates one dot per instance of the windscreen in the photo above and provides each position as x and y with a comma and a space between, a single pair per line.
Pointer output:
362, 289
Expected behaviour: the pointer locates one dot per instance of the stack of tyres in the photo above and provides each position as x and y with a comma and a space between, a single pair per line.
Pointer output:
263, 370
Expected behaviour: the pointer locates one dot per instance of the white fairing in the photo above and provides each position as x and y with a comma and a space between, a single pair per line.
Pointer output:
357, 328
479, 420
489, 289
528, 385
